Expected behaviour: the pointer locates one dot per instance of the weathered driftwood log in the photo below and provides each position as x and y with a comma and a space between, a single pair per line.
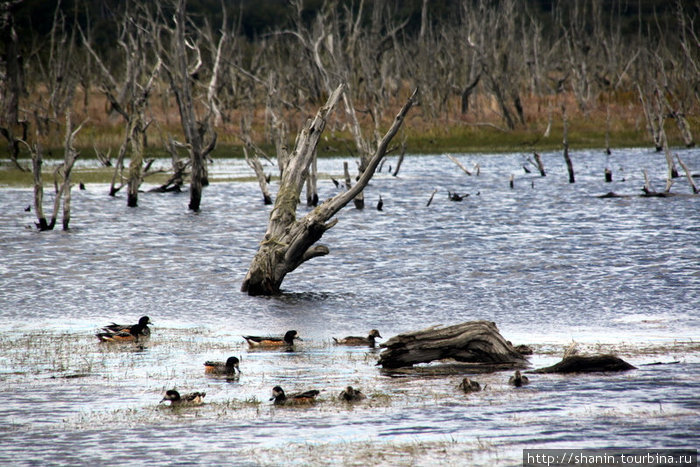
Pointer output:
472, 342
588, 364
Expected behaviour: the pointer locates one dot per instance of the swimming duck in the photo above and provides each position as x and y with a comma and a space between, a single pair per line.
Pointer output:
191, 399
286, 341
300, 398
356, 340
350, 395
228, 367
126, 333
518, 380
468, 386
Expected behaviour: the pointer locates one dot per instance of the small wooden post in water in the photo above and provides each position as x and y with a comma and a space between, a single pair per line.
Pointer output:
565, 142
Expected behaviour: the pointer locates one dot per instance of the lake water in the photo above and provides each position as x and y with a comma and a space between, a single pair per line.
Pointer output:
547, 261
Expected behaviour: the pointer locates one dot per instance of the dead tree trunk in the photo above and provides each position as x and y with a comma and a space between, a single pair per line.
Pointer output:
289, 242
678, 116
672, 169
346, 172
688, 175
119, 167
652, 120
254, 163
11, 85
399, 161
253, 160
565, 142
70, 156
63, 192
470, 342
129, 98
180, 166
199, 134
540, 164
311, 179
37, 160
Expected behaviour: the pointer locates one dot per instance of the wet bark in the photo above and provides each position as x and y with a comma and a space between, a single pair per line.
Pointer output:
587, 364
289, 242
311, 180
608, 175
470, 342
399, 161
540, 164
688, 175
565, 143
254, 163
670, 163
37, 162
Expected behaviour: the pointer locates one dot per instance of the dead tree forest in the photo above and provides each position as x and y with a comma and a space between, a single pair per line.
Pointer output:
166, 77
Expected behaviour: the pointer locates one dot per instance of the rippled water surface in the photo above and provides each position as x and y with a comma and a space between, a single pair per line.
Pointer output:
548, 261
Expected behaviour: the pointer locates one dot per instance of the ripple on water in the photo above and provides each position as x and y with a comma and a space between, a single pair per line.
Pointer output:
547, 261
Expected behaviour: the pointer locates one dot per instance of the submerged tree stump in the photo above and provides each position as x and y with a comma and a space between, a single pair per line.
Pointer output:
588, 364
472, 342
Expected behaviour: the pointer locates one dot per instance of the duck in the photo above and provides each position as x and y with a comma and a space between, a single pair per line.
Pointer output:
286, 341
351, 395
228, 367
518, 380
300, 398
190, 399
126, 333
356, 340
468, 386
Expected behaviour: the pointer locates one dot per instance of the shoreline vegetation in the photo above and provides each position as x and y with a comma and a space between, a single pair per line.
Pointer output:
453, 134
191, 82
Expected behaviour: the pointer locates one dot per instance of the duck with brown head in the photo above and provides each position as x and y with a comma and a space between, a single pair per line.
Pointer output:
518, 379
126, 333
273, 342
227, 368
189, 399
300, 398
349, 394
370, 340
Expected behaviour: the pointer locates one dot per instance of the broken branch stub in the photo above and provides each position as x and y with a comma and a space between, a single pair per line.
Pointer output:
471, 342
